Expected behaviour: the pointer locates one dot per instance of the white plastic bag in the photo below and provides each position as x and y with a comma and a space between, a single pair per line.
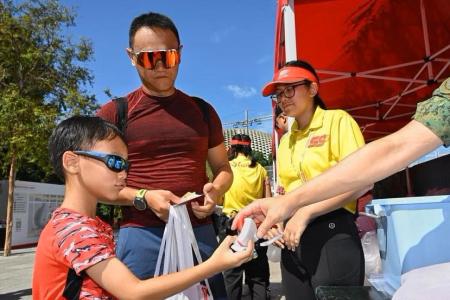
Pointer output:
274, 253
371, 250
176, 249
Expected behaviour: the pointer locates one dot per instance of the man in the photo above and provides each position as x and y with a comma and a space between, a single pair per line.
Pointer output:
170, 136
281, 122
429, 129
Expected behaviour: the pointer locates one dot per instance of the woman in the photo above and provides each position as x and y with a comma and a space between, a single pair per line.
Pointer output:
250, 182
329, 251
429, 129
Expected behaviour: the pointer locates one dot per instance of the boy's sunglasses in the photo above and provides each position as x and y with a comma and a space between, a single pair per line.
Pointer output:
148, 59
113, 162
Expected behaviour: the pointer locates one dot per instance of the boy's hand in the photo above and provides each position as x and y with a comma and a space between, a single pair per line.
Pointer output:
159, 202
209, 204
224, 258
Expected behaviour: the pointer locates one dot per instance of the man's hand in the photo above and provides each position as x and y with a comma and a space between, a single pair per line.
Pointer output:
295, 228
159, 202
209, 204
265, 212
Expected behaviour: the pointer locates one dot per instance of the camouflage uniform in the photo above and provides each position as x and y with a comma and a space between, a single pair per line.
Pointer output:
434, 113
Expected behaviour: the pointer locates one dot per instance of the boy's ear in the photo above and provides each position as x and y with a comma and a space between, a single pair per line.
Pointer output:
71, 162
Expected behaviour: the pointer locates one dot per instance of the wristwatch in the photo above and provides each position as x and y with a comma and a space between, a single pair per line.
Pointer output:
139, 200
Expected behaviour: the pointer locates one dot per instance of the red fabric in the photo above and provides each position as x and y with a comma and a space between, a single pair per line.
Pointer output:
70, 240
239, 142
168, 143
353, 36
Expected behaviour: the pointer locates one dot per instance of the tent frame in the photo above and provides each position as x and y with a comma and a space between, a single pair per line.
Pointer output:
287, 40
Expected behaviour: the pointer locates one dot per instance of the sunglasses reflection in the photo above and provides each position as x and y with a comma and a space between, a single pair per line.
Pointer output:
113, 162
148, 59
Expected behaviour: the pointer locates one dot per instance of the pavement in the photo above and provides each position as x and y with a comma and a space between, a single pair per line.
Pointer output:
16, 272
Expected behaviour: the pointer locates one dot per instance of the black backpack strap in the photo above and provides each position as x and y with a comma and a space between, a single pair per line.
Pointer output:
73, 285
122, 113
204, 107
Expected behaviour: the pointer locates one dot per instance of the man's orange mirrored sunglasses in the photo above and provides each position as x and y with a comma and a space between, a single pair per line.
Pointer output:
148, 59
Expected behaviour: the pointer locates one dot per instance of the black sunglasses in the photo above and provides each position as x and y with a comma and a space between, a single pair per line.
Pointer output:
288, 92
115, 163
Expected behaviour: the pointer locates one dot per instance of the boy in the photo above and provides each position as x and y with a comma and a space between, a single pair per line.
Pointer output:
75, 257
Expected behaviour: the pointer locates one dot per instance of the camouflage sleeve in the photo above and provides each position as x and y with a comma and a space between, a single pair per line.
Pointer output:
434, 113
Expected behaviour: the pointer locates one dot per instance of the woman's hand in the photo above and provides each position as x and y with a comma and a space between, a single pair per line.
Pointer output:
265, 212
275, 231
295, 228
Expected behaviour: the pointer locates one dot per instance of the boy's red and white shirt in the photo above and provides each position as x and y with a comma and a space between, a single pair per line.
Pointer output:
71, 241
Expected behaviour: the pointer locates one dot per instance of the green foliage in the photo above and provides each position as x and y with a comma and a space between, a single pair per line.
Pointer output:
42, 80
261, 159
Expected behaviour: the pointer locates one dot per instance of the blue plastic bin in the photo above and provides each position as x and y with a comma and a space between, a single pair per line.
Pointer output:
412, 233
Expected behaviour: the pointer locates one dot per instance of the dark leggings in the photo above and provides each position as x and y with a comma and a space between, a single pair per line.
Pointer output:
329, 253
256, 271
256, 276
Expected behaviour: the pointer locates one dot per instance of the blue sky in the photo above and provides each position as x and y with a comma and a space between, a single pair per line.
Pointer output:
227, 49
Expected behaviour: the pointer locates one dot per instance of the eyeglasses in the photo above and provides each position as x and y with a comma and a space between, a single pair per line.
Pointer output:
114, 162
288, 92
148, 59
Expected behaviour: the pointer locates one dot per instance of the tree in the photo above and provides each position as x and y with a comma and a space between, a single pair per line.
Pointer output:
261, 158
42, 81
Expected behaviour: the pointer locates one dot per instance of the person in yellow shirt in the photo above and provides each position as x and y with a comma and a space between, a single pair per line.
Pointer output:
329, 251
250, 182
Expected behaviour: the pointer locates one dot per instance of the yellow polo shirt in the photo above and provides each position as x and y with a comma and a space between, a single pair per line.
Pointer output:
304, 154
248, 184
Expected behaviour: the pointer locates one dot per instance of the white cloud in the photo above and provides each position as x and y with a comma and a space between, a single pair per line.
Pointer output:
263, 59
218, 36
241, 92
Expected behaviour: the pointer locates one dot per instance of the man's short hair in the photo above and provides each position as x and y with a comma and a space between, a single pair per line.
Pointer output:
151, 20
78, 133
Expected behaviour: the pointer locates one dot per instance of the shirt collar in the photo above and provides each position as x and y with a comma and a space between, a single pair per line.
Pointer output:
316, 121
241, 157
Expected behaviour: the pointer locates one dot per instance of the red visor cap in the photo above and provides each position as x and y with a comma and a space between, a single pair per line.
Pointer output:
287, 75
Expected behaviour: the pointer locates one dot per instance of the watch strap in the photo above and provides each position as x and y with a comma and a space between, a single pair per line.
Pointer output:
139, 201
141, 193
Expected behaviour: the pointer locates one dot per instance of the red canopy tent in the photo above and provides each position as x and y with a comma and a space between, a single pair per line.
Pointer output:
375, 58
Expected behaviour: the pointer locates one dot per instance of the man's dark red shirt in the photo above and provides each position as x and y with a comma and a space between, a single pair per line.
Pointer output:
168, 140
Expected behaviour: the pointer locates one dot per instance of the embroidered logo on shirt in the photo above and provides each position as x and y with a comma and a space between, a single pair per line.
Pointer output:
237, 164
317, 141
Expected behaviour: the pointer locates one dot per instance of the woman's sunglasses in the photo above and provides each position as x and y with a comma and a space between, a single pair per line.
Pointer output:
113, 162
148, 59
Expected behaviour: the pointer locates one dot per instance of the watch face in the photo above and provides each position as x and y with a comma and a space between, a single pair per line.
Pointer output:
139, 204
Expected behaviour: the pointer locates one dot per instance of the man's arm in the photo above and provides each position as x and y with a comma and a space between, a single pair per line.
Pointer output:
369, 164
220, 167
267, 188
222, 180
